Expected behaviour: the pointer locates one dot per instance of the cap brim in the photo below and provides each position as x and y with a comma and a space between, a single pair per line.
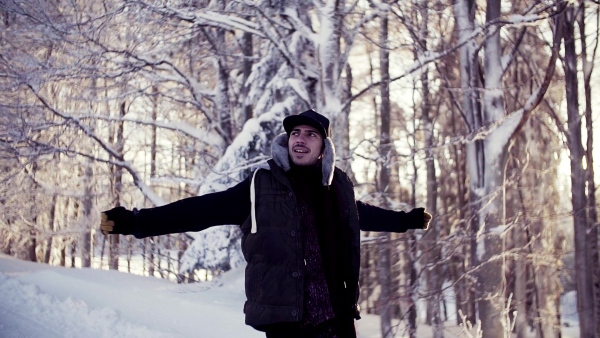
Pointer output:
295, 120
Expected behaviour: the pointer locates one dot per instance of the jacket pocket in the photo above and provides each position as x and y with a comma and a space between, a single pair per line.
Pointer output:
255, 270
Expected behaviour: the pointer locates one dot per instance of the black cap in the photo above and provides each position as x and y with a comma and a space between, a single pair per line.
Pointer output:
309, 118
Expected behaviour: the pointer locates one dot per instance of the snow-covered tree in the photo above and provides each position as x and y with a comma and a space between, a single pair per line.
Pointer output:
492, 128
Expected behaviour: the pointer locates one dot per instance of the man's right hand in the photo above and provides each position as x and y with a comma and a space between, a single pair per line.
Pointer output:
117, 221
106, 225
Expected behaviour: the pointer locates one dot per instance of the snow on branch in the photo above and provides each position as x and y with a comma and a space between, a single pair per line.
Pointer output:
516, 20
146, 61
252, 139
292, 16
218, 247
204, 18
299, 89
120, 161
178, 126
418, 64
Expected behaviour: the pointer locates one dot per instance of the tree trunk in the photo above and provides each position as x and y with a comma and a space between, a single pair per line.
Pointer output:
223, 107
248, 51
486, 160
64, 242
115, 240
519, 272
329, 91
461, 258
32, 242
150, 243
492, 219
384, 261
465, 14
88, 206
73, 254
593, 238
585, 299
52, 227
149, 246
384, 277
32, 245
413, 283
433, 275
490, 250
158, 240
366, 289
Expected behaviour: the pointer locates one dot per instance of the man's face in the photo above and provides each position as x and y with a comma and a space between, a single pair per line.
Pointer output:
305, 145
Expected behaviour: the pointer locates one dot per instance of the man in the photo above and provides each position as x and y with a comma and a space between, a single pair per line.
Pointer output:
301, 233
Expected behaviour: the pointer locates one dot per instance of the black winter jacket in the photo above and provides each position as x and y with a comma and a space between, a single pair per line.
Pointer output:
275, 256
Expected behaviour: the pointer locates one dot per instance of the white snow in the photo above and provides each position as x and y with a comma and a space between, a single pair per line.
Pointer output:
42, 301
531, 19
38, 300
298, 88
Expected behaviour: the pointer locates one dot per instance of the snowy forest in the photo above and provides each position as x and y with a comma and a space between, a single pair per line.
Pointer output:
480, 111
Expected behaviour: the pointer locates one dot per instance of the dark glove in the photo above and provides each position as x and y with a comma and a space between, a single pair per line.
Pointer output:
426, 219
118, 221
419, 218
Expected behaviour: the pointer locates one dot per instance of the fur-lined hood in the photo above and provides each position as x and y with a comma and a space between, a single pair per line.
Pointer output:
279, 152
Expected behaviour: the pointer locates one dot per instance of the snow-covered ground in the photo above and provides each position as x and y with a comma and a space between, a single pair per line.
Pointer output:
38, 300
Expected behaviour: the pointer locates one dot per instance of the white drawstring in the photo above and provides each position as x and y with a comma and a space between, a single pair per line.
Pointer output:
252, 203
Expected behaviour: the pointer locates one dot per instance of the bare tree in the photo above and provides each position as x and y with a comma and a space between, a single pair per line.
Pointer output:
592, 206
384, 261
586, 233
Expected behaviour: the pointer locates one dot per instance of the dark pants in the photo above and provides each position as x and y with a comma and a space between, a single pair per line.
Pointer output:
334, 328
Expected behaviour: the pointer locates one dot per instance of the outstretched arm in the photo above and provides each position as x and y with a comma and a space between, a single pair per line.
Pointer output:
231, 206
374, 218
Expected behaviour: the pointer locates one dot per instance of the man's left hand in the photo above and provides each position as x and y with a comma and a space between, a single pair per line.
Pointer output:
426, 219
